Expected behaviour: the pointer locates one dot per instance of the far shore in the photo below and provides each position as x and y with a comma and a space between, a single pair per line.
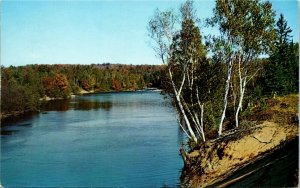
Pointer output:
83, 92
6, 115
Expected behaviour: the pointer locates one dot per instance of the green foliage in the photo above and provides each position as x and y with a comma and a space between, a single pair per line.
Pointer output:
198, 77
281, 72
15, 97
246, 25
23, 87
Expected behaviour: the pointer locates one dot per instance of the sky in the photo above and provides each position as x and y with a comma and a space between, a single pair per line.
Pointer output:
80, 32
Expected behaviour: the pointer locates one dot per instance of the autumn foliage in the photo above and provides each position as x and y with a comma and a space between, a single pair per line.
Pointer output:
56, 86
22, 87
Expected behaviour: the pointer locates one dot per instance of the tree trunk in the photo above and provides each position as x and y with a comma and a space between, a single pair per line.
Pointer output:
201, 122
177, 96
242, 91
186, 119
227, 85
201, 106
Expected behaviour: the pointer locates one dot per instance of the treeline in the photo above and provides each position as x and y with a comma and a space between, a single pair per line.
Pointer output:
22, 87
214, 83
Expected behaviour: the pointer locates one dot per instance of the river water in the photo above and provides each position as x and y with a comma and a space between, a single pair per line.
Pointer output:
128, 139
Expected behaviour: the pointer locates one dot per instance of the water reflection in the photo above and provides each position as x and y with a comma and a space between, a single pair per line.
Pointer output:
91, 105
12, 125
12, 129
8, 132
56, 105
182, 137
79, 104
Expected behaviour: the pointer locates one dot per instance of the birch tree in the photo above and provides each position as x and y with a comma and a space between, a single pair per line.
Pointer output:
248, 29
180, 48
162, 29
222, 50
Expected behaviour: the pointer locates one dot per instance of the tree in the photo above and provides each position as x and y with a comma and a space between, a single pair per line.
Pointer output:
189, 53
16, 96
181, 50
281, 74
162, 30
282, 31
221, 48
23, 87
247, 30
57, 86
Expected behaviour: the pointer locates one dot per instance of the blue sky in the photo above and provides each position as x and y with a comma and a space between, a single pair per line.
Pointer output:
79, 32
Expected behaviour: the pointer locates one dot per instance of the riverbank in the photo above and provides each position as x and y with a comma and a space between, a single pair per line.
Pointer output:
268, 130
278, 168
14, 114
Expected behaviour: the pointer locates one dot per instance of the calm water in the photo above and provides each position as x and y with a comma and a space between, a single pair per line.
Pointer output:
102, 140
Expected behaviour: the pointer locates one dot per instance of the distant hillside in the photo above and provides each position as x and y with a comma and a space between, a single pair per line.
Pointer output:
23, 87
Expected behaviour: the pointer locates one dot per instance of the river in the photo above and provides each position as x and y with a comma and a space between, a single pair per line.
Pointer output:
128, 139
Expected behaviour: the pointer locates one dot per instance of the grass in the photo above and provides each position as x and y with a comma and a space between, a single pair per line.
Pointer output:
288, 103
282, 110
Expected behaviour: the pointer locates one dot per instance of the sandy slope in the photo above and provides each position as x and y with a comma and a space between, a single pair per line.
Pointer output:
219, 158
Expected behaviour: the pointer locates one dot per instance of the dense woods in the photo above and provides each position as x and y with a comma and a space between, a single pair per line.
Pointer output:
22, 87
215, 80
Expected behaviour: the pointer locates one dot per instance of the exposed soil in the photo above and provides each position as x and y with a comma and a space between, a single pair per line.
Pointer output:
264, 131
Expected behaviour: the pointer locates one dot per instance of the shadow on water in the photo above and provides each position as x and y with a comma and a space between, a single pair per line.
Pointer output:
13, 126
18, 119
56, 105
17, 122
80, 104
53, 105
8, 132
92, 105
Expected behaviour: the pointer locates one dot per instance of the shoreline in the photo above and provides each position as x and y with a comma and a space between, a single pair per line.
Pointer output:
221, 161
218, 160
14, 114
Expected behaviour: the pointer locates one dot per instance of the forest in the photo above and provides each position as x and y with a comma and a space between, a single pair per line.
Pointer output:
23, 88
212, 79
215, 80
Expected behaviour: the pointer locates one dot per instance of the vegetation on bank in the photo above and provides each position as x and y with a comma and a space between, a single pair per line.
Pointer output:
22, 87
213, 93
233, 104
267, 128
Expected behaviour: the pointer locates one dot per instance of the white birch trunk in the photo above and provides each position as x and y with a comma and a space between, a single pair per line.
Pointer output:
234, 97
195, 120
177, 96
227, 85
201, 106
243, 81
201, 122
242, 91
186, 119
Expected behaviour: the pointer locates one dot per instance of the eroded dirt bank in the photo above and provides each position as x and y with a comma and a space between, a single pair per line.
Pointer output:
276, 169
214, 161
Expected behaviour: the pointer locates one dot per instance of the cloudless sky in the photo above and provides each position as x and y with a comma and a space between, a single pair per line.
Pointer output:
79, 32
